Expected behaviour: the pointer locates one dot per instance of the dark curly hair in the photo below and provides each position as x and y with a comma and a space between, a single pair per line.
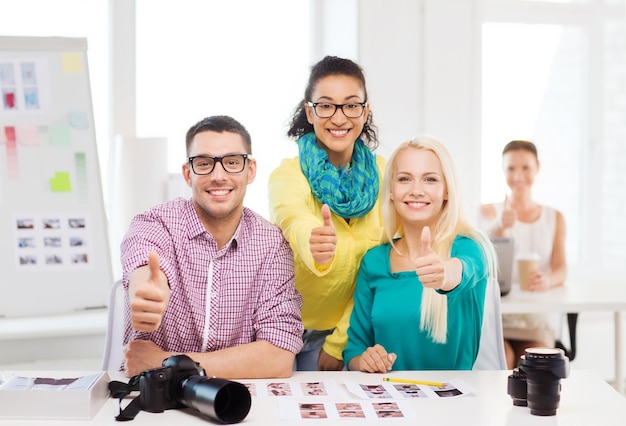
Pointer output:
331, 65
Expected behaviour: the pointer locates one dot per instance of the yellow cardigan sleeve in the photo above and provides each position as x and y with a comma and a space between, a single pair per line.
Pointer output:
293, 208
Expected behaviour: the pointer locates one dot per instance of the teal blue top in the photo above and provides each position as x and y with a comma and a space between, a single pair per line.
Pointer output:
387, 311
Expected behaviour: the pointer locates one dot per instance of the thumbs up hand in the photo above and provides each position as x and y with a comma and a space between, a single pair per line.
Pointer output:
509, 215
323, 240
428, 267
149, 295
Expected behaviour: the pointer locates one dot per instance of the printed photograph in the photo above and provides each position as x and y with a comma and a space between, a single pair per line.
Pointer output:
52, 241
51, 223
8, 98
26, 243
6, 75
77, 223
313, 388
447, 390
410, 391
80, 258
31, 98
375, 391
28, 73
351, 414
279, 389
25, 224
313, 414
28, 260
54, 260
312, 411
350, 410
389, 413
76, 242
251, 388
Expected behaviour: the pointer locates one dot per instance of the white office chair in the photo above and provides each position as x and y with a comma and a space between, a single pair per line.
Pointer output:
113, 344
491, 350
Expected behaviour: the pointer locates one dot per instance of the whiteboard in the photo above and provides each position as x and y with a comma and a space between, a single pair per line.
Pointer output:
53, 231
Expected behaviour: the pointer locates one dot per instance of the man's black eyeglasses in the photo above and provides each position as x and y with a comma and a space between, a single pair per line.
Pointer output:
233, 163
327, 110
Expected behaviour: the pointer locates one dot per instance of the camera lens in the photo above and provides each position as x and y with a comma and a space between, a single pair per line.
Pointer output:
544, 368
516, 387
222, 400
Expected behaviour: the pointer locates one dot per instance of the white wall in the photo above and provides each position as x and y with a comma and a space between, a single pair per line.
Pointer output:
418, 59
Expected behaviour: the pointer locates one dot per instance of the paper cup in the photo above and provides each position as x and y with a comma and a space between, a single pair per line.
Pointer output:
526, 264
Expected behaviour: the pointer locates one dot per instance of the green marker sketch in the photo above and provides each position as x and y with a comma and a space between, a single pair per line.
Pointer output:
60, 135
80, 162
61, 182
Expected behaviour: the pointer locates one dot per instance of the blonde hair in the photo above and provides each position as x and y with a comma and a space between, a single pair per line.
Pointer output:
452, 222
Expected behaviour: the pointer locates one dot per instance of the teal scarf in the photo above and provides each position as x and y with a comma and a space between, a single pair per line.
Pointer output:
350, 192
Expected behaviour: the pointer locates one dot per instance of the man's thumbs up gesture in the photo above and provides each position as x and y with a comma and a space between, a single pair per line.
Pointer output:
149, 295
323, 240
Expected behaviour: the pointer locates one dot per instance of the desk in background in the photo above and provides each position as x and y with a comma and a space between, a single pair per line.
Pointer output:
577, 297
586, 399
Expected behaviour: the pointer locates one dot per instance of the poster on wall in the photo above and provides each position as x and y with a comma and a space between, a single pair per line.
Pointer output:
56, 257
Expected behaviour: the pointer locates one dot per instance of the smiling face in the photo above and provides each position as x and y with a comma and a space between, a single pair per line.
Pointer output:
418, 188
218, 196
337, 134
520, 168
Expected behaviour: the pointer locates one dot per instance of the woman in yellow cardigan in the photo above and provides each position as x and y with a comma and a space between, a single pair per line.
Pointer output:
327, 203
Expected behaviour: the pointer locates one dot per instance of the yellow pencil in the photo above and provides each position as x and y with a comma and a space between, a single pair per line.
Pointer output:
417, 382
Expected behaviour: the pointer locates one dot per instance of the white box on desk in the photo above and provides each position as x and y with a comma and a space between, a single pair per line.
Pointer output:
52, 400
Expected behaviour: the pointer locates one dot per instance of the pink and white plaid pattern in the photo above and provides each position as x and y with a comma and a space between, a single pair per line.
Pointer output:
253, 296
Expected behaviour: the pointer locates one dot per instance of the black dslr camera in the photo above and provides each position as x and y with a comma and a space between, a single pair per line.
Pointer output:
536, 382
181, 382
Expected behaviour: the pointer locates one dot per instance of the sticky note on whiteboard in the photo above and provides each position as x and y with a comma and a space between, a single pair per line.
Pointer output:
72, 63
60, 182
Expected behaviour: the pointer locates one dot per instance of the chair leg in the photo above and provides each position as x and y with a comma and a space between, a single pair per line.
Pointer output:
572, 319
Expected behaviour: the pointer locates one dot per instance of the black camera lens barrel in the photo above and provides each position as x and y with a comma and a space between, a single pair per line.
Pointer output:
544, 395
220, 399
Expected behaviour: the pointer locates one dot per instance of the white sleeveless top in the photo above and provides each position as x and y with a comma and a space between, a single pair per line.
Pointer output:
534, 237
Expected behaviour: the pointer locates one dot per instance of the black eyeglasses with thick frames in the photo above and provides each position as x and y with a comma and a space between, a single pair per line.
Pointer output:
327, 110
233, 163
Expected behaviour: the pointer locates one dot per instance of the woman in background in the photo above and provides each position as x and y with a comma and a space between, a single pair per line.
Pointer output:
326, 201
419, 298
536, 229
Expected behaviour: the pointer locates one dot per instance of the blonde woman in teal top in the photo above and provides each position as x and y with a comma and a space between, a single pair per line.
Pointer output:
419, 299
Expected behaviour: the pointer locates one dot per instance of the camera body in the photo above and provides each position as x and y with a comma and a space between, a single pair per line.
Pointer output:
536, 382
181, 382
161, 388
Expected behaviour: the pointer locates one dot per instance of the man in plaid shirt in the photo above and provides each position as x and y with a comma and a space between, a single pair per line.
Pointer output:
208, 277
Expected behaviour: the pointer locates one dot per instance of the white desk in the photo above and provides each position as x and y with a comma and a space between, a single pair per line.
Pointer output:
576, 297
586, 399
